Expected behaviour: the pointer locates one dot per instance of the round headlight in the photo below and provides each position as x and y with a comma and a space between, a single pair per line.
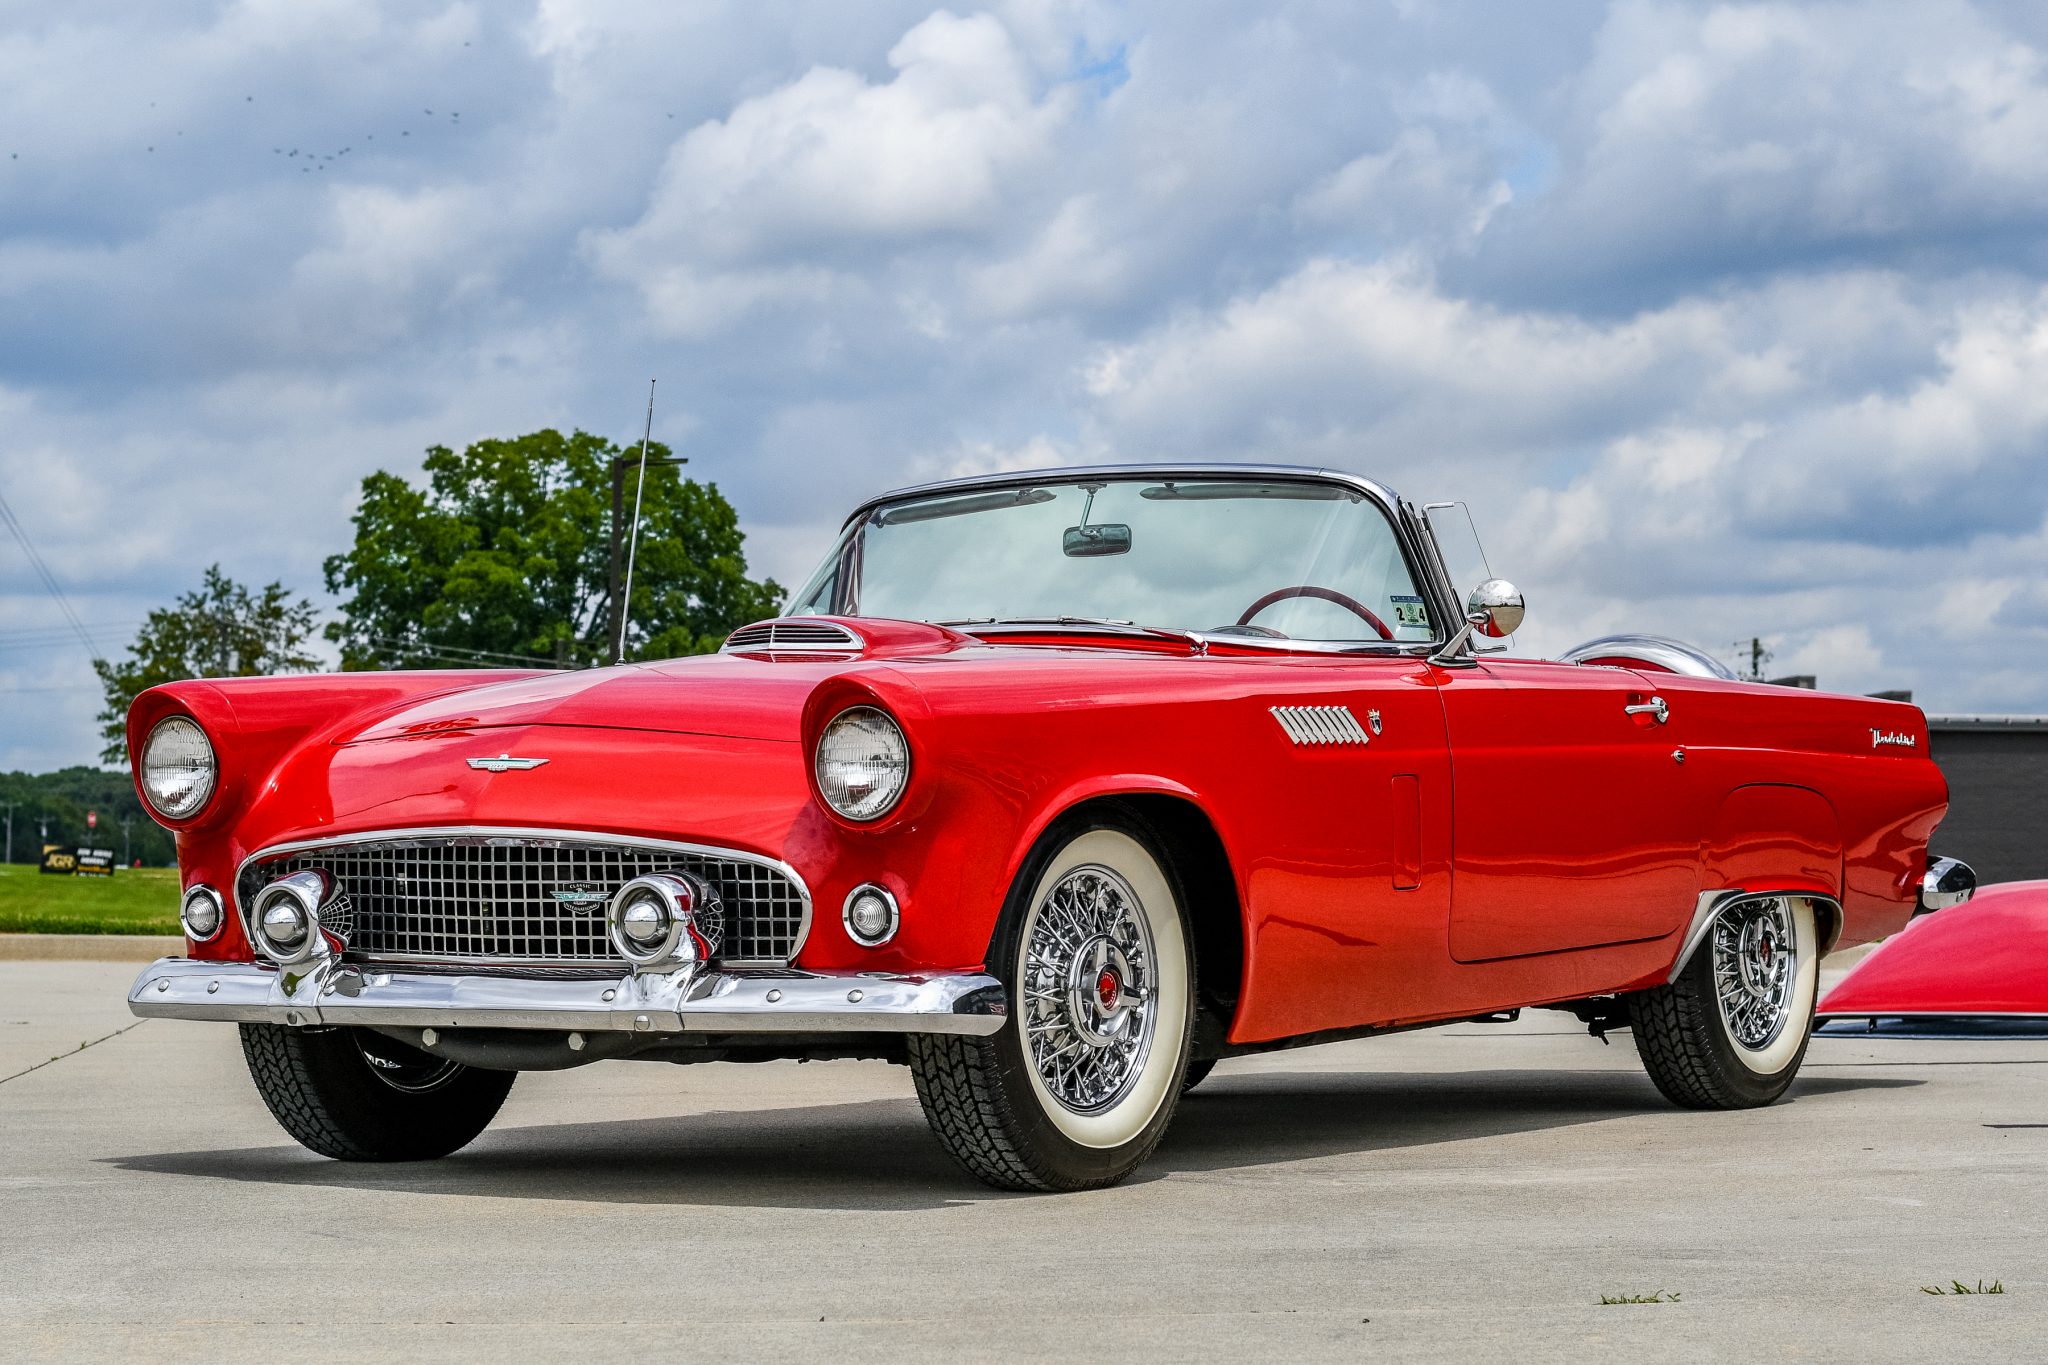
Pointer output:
201, 913
863, 763
178, 768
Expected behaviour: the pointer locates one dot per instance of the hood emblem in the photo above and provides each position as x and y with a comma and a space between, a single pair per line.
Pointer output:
505, 763
1372, 718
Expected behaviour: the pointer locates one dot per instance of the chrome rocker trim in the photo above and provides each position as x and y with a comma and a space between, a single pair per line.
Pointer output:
687, 1000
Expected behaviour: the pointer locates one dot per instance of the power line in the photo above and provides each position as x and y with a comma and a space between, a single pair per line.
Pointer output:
49, 580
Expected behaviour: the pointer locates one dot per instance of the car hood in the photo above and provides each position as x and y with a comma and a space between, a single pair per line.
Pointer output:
743, 695
720, 695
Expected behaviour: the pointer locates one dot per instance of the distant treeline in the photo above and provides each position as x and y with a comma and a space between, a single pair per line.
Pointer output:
61, 800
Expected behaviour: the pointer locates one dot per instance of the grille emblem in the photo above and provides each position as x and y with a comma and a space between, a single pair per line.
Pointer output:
1316, 725
506, 763
582, 895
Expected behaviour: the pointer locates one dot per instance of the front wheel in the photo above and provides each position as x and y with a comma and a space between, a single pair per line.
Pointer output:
1731, 1030
1078, 1086
355, 1095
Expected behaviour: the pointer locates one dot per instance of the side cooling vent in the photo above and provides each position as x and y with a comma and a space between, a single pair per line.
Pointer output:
792, 635
1316, 725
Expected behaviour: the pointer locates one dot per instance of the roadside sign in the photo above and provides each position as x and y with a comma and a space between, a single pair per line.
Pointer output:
92, 819
95, 862
59, 861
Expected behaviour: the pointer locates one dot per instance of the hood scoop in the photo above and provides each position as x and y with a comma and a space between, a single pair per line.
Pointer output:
795, 637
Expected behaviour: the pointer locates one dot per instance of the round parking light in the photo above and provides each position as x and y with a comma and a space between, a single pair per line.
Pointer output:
871, 916
201, 914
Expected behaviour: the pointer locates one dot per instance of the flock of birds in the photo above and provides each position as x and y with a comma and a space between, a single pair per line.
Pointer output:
314, 160
320, 161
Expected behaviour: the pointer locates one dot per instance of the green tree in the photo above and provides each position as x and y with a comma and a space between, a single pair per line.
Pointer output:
504, 557
221, 631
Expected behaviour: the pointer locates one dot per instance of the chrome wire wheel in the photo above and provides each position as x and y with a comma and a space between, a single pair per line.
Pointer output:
1756, 961
1090, 1007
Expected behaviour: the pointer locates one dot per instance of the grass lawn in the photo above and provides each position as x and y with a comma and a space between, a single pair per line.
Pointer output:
134, 900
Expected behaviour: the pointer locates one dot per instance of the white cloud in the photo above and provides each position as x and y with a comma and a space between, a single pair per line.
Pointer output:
830, 160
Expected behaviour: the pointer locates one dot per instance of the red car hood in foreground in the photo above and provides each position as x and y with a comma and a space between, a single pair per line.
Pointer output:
1989, 957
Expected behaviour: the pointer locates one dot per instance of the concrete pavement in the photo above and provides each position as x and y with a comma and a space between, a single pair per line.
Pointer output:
1463, 1194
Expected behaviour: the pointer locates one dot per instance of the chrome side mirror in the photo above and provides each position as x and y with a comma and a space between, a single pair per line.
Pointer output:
1495, 608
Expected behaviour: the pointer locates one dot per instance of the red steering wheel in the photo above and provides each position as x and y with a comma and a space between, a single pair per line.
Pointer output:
1350, 604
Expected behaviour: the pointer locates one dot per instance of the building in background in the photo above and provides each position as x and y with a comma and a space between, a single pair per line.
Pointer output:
1997, 770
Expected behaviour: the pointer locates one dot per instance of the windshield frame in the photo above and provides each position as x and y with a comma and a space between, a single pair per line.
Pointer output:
1411, 535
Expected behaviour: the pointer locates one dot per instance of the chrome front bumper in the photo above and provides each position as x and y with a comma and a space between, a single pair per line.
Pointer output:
688, 1000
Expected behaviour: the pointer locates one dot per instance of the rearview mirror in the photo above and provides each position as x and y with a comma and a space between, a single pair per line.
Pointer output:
1496, 608
1087, 542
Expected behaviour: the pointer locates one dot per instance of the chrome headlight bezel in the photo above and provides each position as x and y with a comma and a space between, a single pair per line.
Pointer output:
149, 763
886, 766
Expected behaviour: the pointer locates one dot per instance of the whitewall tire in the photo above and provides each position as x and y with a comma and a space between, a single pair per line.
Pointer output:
1731, 1030
1094, 950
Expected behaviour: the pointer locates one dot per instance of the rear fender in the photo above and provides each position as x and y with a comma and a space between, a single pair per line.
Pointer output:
1769, 839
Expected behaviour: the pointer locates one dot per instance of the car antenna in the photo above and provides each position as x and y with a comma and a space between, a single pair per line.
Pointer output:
633, 539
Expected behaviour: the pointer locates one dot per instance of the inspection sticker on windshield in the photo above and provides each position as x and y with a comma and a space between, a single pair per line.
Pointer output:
1409, 611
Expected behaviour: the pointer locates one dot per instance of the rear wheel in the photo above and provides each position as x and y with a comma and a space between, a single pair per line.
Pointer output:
355, 1095
1731, 1031
1079, 1085
1198, 1071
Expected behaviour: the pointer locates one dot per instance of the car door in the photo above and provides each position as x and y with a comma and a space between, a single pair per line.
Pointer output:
1572, 816
1348, 843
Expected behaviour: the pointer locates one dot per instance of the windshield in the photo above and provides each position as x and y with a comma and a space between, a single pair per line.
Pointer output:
1273, 557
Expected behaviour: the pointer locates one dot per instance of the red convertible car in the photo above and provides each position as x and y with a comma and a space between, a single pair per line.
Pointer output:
1056, 787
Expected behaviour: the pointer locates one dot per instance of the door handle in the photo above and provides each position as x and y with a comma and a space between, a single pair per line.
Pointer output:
1656, 708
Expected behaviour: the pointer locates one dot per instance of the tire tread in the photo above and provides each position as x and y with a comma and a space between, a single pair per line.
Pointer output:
311, 1087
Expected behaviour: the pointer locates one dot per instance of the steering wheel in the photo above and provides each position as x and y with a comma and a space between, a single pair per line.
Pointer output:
1350, 604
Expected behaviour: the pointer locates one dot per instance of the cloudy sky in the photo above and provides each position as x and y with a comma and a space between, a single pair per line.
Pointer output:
1727, 320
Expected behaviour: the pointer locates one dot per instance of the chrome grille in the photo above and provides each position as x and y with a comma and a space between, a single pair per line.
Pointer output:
485, 898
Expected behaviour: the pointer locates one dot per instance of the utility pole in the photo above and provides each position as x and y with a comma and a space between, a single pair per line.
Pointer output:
1758, 657
10, 830
615, 634
126, 821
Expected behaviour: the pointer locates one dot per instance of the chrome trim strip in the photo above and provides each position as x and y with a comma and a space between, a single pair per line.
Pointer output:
1018, 478
1712, 903
1675, 655
522, 832
684, 1001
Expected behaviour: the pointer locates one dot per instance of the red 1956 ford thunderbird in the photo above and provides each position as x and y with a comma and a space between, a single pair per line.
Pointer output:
1056, 787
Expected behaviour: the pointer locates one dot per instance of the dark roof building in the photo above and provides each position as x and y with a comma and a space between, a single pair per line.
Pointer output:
1997, 770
